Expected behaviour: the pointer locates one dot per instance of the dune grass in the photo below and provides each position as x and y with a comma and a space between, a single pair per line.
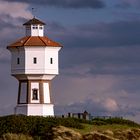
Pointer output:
113, 127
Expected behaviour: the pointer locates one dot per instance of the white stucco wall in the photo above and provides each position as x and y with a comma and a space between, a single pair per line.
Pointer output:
17, 53
37, 32
36, 86
35, 109
40, 110
23, 92
39, 54
43, 65
41, 31
51, 52
46, 93
48, 110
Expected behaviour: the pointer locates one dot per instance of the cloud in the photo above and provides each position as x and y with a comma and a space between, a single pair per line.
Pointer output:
110, 105
128, 3
76, 4
113, 34
103, 48
18, 9
121, 33
109, 94
103, 107
11, 20
74, 89
87, 61
100, 107
106, 106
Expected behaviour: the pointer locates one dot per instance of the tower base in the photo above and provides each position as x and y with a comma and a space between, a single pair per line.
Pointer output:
35, 109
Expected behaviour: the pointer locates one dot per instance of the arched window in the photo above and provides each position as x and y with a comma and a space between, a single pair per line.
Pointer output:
35, 94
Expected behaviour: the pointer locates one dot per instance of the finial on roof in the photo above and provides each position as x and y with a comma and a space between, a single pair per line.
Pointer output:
33, 12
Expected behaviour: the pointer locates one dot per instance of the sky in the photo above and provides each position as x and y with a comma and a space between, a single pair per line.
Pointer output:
100, 60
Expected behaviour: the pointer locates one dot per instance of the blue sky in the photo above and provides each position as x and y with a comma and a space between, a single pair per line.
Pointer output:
100, 61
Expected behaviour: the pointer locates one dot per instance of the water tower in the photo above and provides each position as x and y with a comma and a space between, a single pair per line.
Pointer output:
34, 63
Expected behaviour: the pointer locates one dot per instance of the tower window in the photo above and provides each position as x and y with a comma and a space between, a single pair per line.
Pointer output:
34, 60
18, 60
35, 94
51, 60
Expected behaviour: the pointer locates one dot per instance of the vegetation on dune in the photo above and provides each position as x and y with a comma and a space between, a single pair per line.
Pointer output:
10, 136
34, 127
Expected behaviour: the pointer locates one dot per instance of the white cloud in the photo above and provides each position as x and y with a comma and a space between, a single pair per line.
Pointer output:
77, 89
110, 105
15, 9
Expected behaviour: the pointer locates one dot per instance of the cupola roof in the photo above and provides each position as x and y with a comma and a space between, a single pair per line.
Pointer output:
34, 21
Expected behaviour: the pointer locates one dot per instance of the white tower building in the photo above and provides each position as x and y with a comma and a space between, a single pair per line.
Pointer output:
34, 63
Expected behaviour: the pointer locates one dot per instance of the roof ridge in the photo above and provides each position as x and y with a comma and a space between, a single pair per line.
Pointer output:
26, 41
34, 21
42, 40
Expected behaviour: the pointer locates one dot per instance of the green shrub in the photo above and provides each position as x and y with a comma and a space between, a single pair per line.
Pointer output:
37, 127
100, 121
40, 128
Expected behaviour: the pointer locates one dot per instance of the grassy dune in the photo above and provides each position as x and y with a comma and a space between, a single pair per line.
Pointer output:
50, 128
113, 127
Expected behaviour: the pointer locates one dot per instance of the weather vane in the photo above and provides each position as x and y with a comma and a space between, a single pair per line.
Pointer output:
33, 12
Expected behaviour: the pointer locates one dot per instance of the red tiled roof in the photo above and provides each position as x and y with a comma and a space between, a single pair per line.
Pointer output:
34, 41
34, 21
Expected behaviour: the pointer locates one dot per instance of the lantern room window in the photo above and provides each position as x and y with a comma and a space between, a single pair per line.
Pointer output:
35, 27
35, 94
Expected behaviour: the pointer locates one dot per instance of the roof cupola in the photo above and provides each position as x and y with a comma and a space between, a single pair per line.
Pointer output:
34, 27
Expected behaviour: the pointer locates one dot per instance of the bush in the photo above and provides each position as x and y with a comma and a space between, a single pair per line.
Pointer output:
120, 121
38, 127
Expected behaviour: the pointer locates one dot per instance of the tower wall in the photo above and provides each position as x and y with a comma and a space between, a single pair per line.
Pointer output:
35, 109
38, 103
35, 60
34, 91
46, 89
18, 56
